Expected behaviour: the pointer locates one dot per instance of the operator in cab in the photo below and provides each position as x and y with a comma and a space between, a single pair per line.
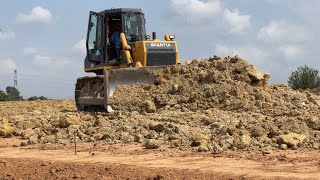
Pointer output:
115, 38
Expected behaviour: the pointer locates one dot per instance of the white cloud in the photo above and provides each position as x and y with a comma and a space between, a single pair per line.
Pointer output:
7, 66
250, 53
290, 51
7, 35
36, 15
80, 46
44, 60
196, 11
223, 50
30, 51
237, 21
281, 32
274, 30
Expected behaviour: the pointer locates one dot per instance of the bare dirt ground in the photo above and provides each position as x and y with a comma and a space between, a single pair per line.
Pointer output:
214, 119
135, 162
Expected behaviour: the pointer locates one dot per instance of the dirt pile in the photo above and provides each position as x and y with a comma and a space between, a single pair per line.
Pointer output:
257, 114
201, 85
210, 105
315, 91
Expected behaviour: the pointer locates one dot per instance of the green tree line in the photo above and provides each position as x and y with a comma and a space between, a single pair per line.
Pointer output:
13, 94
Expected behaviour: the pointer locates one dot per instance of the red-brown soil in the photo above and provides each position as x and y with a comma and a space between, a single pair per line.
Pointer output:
135, 162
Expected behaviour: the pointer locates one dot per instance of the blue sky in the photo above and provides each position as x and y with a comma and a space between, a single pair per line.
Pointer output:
43, 39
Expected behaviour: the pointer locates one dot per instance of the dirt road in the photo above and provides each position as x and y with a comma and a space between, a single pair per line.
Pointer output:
135, 162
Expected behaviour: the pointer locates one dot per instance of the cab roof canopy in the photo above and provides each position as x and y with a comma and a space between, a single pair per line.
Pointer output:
122, 10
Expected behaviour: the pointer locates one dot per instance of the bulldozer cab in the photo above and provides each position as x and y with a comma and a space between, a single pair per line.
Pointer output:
103, 38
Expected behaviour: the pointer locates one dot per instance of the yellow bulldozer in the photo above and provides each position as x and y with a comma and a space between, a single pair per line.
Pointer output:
120, 52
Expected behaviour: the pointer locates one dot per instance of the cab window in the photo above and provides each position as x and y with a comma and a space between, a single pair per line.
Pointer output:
95, 29
132, 27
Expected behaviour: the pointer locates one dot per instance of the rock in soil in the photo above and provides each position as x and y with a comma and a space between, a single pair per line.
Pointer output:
152, 144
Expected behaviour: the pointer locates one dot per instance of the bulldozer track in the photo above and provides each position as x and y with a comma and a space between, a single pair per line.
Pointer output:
87, 87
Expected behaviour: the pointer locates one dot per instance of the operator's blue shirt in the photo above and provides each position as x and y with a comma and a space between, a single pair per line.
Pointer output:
116, 38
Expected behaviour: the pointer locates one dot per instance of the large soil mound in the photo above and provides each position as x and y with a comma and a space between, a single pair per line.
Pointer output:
229, 84
210, 105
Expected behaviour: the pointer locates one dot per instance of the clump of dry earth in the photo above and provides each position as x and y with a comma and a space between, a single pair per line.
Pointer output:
213, 105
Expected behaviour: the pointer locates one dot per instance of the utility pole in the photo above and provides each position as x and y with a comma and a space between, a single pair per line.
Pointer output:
15, 81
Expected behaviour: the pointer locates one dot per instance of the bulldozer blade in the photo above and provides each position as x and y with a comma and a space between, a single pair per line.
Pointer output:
94, 93
130, 76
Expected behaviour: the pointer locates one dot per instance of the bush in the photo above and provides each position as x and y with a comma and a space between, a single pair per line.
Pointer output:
43, 98
3, 96
35, 98
304, 78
